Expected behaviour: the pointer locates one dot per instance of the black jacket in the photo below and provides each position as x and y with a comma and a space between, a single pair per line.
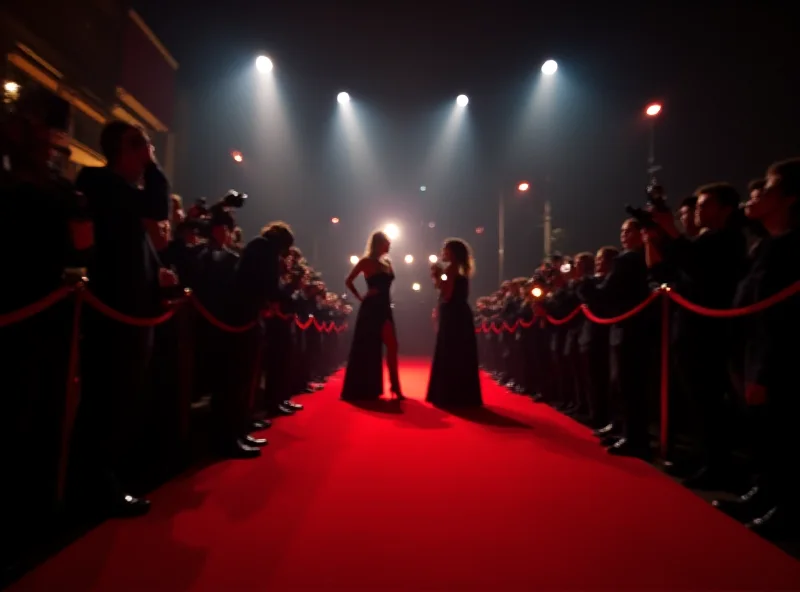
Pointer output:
124, 270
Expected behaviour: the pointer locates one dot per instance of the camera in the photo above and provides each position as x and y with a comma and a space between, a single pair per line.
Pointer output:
233, 199
656, 198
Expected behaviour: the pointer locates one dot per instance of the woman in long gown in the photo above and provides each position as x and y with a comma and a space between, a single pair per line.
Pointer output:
375, 328
455, 379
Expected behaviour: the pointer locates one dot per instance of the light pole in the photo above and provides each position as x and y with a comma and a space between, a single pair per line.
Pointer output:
501, 228
653, 110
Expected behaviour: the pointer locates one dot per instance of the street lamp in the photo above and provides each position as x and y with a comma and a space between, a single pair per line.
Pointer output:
343, 98
549, 67
264, 64
652, 111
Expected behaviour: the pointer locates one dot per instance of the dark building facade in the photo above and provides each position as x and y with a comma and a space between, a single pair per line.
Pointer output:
101, 59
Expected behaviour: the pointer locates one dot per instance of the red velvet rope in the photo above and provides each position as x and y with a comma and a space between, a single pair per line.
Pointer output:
665, 291
31, 310
62, 293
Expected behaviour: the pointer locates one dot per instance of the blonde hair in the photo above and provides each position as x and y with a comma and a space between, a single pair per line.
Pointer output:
373, 243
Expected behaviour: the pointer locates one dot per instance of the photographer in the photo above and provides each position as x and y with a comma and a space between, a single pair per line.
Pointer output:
593, 346
631, 341
222, 355
126, 274
770, 356
711, 265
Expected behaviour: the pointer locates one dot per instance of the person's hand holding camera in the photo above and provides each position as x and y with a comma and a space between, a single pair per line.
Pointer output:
665, 220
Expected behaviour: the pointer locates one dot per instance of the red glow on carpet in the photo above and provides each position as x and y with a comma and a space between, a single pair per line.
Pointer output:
403, 496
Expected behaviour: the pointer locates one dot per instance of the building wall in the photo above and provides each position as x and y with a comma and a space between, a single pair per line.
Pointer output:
101, 58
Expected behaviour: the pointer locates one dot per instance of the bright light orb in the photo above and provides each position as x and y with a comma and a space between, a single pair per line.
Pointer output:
524, 186
416, 287
409, 259
391, 231
263, 64
433, 258
343, 98
444, 277
653, 110
462, 100
423, 188
537, 292
11, 88
334, 220
431, 224
549, 67
479, 230
237, 156
353, 259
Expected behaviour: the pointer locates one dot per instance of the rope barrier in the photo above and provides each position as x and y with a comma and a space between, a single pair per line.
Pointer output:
86, 296
664, 291
11, 318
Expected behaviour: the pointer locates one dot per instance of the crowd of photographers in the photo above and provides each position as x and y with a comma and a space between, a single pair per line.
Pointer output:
253, 323
732, 383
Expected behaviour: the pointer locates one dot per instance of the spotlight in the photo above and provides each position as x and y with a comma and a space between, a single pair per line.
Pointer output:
409, 259
444, 277
334, 220
263, 64
431, 224
237, 156
537, 292
549, 67
416, 287
653, 110
479, 230
524, 186
343, 98
423, 188
11, 87
433, 258
391, 231
462, 100
353, 259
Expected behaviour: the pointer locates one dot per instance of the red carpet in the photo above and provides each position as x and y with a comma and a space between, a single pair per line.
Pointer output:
517, 498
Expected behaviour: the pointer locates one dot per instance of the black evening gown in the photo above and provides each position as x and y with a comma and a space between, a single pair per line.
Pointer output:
363, 379
455, 379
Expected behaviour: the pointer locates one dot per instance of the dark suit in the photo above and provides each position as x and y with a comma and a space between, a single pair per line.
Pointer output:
771, 353
124, 275
710, 266
595, 359
631, 341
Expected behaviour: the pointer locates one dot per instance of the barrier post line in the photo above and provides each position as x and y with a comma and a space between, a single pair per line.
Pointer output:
665, 327
72, 393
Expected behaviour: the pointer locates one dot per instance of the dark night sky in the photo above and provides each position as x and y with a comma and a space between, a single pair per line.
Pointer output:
726, 74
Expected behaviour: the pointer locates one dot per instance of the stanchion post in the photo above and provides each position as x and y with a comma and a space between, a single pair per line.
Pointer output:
664, 372
72, 393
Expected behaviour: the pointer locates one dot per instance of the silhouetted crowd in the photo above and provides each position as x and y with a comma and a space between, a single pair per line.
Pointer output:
732, 385
188, 340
